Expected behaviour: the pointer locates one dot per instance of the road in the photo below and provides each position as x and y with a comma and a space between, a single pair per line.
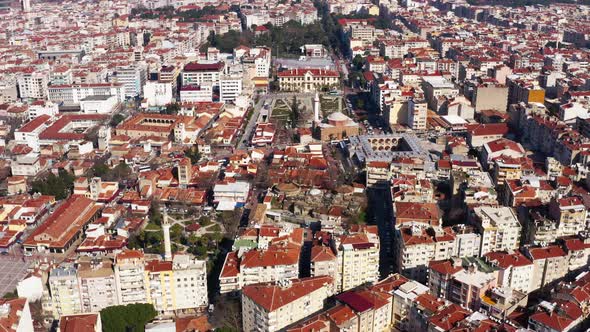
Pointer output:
381, 214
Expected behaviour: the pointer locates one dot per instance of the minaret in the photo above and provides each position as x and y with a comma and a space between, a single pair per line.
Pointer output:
316, 107
26, 5
167, 244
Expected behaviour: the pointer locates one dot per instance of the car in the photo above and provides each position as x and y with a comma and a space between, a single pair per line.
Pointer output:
28, 253
4, 253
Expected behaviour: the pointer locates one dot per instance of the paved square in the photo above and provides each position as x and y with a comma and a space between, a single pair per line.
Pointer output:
12, 269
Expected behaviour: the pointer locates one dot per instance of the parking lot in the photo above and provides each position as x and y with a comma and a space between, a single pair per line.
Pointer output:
12, 269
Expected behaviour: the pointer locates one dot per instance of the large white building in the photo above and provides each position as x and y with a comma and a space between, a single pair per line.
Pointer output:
195, 73
73, 94
498, 226
230, 87
33, 85
133, 79
158, 93
196, 93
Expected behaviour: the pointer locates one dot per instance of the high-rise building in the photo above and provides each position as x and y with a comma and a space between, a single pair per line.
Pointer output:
129, 276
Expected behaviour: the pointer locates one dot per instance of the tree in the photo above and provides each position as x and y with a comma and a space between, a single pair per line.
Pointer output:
117, 118
172, 108
193, 154
131, 317
154, 213
59, 186
295, 112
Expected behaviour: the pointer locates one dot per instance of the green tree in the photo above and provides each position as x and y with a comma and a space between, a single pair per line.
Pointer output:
172, 108
295, 112
154, 213
131, 317
193, 154
59, 186
117, 118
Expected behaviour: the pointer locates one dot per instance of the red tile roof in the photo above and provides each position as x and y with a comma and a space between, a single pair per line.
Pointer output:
271, 296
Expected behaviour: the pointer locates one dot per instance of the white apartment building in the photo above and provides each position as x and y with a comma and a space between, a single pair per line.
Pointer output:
358, 260
499, 228
271, 306
42, 108
73, 94
190, 286
230, 87
417, 114
158, 93
16, 315
129, 277
133, 79
196, 73
33, 85
514, 270
196, 93
97, 284
65, 292
28, 134
26, 165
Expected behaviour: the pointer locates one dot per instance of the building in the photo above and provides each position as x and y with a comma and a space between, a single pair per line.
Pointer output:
196, 93
33, 85
132, 78
307, 80
550, 263
273, 306
499, 228
417, 113
158, 93
64, 290
64, 226
99, 104
72, 94
230, 193
338, 127
130, 277
80, 322
358, 260
195, 73
98, 288
230, 87
514, 270
15, 315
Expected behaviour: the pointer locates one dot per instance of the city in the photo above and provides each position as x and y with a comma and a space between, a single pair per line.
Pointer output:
294, 165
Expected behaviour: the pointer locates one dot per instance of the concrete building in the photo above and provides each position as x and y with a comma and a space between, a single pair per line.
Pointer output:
195, 73
129, 277
358, 260
132, 78
307, 80
158, 93
97, 284
499, 228
15, 315
417, 114
490, 97
73, 94
196, 93
271, 306
550, 263
65, 291
514, 270
33, 85
99, 104
230, 87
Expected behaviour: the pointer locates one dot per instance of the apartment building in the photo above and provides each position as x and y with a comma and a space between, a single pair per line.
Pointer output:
417, 114
358, 260
190, 285
132, 78
73, 94
33, 84
550, 263
64, 290
417, 246
499, 228
230, 87
196, 93
324, 263
570, 213
273, 306
195, 73
130, 276
97, 284
514, 269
